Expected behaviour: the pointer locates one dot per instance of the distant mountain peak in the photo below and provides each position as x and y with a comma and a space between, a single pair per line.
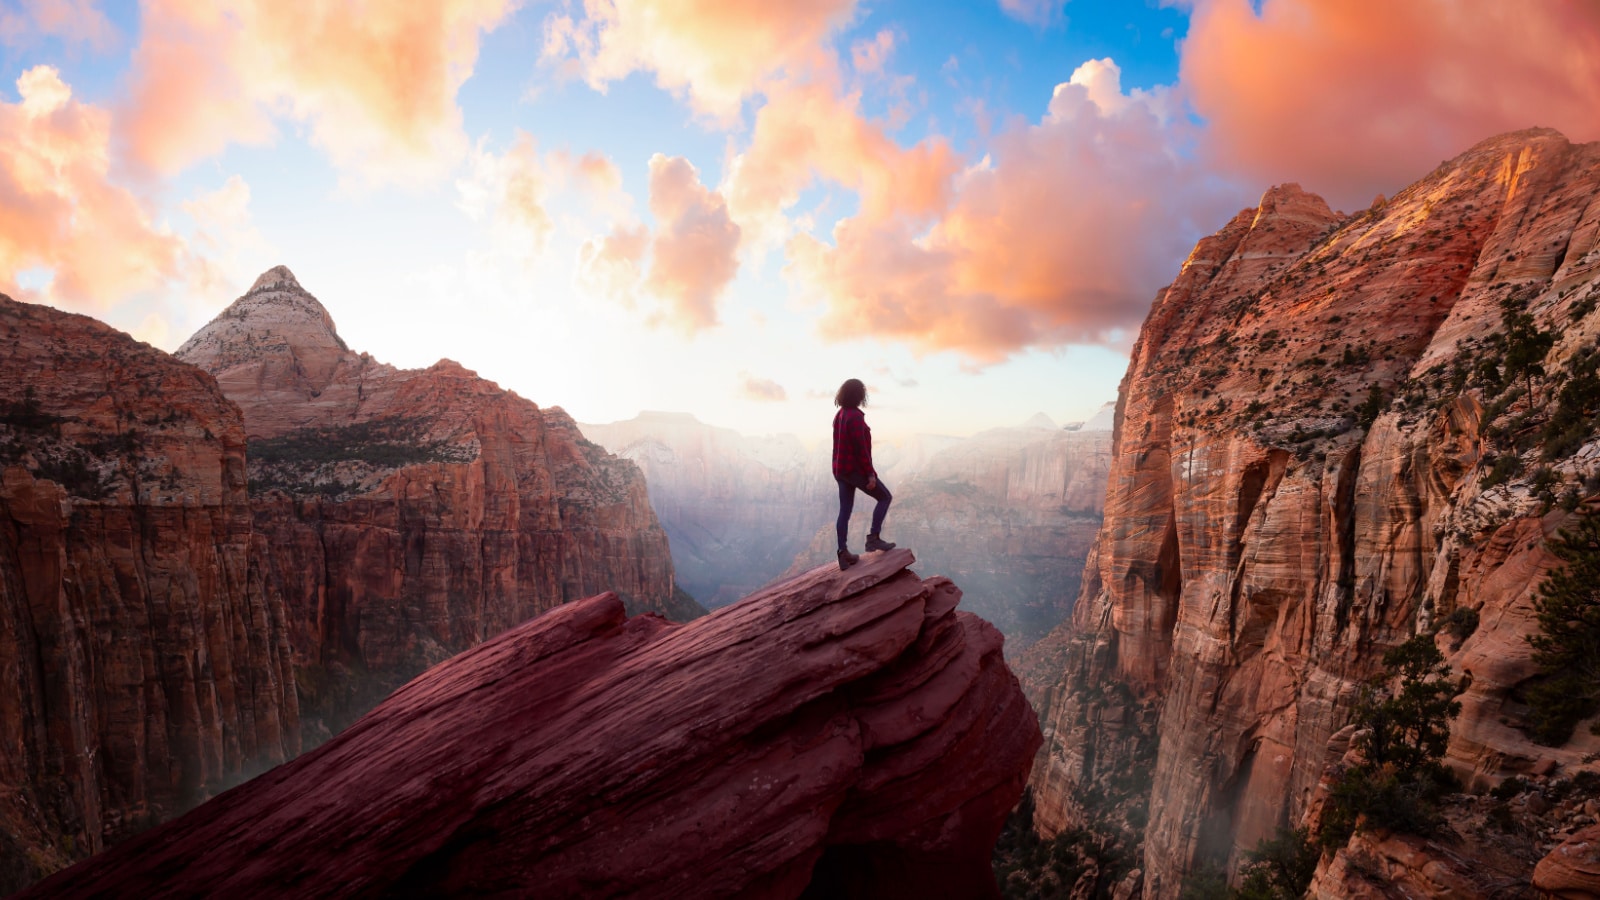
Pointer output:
1040, 420
275, 278
275, 318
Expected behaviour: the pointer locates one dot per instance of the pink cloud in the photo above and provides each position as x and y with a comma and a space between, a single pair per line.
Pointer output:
763, 390
870, 56
59, 208
510, 190
610, 265
715, 53
1351, 97
72, 20
808, 131
694, 255
1038, 13
1063, 237
374, 83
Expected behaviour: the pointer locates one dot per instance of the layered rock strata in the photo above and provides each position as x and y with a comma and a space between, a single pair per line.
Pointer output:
1314, 460
411, 514
835, 735
144, 658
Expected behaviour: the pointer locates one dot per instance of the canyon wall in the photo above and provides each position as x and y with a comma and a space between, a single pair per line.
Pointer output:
410, 514
144, 658
1314, 460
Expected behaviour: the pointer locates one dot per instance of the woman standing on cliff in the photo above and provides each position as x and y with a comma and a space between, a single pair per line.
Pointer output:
852, 468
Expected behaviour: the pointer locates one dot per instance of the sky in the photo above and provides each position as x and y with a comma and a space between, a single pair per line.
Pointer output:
728, 207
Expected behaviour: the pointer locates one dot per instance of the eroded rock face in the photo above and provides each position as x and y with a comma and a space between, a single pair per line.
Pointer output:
1299, 484
1572, 870
848, 731
144, 659
410, 514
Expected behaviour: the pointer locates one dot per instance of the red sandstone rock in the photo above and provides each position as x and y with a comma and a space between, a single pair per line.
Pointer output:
1572, 870
144, 660
847, 730
1261, 548
407, 515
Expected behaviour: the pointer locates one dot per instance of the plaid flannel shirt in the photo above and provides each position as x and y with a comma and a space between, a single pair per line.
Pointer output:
852, 444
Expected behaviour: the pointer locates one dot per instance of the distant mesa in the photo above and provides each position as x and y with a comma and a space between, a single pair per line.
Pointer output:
840, 734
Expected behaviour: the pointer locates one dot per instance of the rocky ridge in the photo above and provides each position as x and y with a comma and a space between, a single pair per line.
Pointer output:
411, 514
1315, 459
840, 734
144, 657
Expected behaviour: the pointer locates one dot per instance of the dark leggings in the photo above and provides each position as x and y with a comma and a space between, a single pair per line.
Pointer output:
847, 504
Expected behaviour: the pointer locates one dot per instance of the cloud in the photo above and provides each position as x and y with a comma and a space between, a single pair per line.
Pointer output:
1351, 97
1038, 13
869, 57
714, 53
1063, 236
763, 390
70, 20
610, 266
509, 190
374, 83
685, 263
59, 208
226, 251
809, 130
695, 251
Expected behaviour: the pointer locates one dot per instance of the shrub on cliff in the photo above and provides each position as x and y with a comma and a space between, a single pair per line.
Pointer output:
1074, 863
1403, 726
1280, 867
1567, 647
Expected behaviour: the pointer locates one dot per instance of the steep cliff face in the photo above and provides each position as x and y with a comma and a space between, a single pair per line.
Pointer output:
1314, 460
407, 515
837, 735
736, 508
1010, 512
144, 660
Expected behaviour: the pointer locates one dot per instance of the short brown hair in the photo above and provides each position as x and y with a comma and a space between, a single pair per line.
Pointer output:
852, 394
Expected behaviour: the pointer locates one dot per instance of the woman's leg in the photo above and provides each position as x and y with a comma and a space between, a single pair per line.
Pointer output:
847, 504
882, 495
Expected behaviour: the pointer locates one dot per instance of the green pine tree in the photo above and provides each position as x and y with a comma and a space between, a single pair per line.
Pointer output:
1567, 647
1404, 730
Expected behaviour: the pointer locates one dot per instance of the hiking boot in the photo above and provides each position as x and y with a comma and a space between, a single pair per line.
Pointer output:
847, 559
876, 543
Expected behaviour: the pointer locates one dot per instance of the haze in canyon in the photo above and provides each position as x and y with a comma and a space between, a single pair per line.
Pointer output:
1008, 512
